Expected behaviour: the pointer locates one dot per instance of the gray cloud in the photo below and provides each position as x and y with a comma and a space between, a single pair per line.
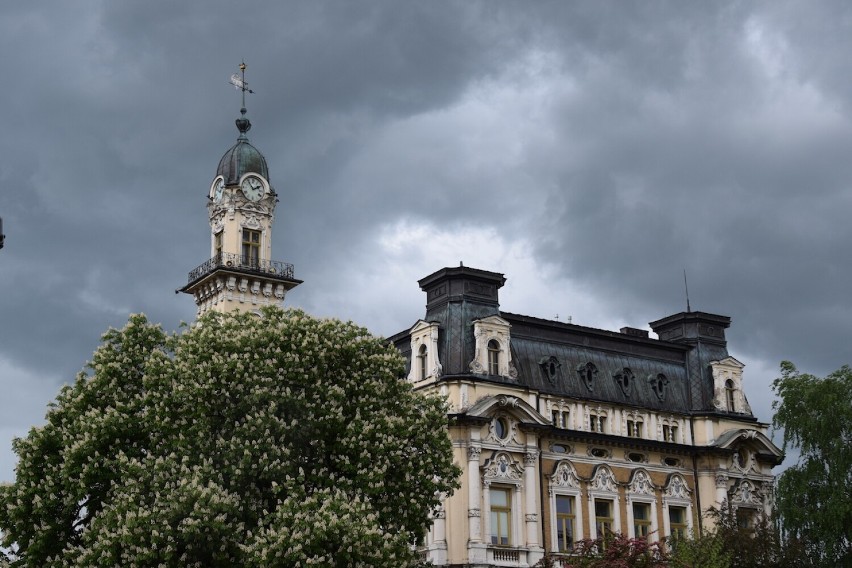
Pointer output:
603, 146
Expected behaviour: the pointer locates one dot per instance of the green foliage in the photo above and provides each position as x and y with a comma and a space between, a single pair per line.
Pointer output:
756, 546
280, 440
705, 550
618, 552
814, 497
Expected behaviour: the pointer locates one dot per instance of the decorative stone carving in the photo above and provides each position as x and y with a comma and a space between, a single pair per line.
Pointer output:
473, 453
565, 476
745, 494
512, 435
551, 369
624, 379
641, 484
473, 513
721, 480
587, 373
530, 458
677, 488
531, 517
604, 480
439, 513
502, 468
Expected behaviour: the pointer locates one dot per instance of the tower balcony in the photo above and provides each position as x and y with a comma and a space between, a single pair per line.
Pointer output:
242, 264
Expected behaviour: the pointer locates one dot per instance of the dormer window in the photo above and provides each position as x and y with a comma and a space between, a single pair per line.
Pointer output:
493, 357
587, 372
659, 384
729, 394
424, 352
421, 362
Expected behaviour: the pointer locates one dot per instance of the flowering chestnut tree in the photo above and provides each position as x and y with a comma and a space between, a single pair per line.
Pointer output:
280, 440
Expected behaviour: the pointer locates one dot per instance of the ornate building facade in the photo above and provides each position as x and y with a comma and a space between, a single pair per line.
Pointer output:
566, 432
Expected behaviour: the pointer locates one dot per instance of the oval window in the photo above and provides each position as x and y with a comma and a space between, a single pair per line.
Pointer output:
599, 452
636, 457
559, 449
501, 429
671, 462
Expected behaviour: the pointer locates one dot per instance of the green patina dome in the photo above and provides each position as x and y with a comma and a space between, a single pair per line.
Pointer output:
242, 157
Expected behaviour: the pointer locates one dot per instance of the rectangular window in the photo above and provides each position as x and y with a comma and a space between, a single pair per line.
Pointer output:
634, 428
603, 519
597, 423
746, 518
217, 246
677, 522
560, 418
669, 433
501, 516
565, 522
555, 415
251, 247
641, 520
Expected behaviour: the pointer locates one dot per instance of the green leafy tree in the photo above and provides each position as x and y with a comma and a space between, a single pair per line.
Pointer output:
755, 546
271, 441
814, 496
704, 550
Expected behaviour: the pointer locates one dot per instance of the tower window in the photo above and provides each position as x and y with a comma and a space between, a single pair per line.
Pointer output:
217, 246
501, 515
565, 522
729, 394
251, 248
421, 362
493, 357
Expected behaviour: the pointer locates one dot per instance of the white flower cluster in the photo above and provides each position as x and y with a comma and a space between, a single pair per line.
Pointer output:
283, 440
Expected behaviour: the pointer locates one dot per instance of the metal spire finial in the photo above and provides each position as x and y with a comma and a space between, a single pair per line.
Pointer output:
239, 81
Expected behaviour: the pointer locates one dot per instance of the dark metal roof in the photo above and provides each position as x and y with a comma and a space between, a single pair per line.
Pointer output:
242, 157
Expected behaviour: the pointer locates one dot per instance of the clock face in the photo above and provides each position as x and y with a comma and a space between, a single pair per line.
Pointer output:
252, 188
218, 189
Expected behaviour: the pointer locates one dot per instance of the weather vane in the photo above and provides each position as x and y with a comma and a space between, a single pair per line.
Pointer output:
239, 81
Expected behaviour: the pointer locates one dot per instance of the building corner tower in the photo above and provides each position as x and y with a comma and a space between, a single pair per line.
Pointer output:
240, 274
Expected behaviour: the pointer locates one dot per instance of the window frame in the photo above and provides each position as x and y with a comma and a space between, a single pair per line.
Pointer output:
494, 528
494, 348
570, 518
250, 247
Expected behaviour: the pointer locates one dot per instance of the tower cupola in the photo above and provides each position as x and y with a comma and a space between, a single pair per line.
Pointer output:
240, 274
242, 157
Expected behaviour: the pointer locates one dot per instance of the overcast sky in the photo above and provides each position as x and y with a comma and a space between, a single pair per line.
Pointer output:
589, 151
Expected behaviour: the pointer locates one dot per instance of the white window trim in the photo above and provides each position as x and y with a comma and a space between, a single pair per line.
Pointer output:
570, 488
603, 495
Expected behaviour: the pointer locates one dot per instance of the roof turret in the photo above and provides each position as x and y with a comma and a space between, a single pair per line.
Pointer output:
242, 157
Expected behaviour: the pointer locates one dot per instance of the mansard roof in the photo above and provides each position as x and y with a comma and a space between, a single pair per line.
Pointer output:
627, 370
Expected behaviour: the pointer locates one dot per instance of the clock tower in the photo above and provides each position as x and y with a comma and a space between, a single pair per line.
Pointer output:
240, 274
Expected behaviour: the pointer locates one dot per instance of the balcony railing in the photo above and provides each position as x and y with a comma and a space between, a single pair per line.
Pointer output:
242, 264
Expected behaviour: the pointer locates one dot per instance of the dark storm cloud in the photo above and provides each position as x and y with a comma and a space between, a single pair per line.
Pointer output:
614, 144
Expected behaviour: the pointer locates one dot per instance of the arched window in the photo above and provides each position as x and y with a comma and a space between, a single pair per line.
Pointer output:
421, 361
493, 357
729, 394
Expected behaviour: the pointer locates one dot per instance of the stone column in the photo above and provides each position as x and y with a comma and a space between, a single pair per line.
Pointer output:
530, 476
721, 489
474, 493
